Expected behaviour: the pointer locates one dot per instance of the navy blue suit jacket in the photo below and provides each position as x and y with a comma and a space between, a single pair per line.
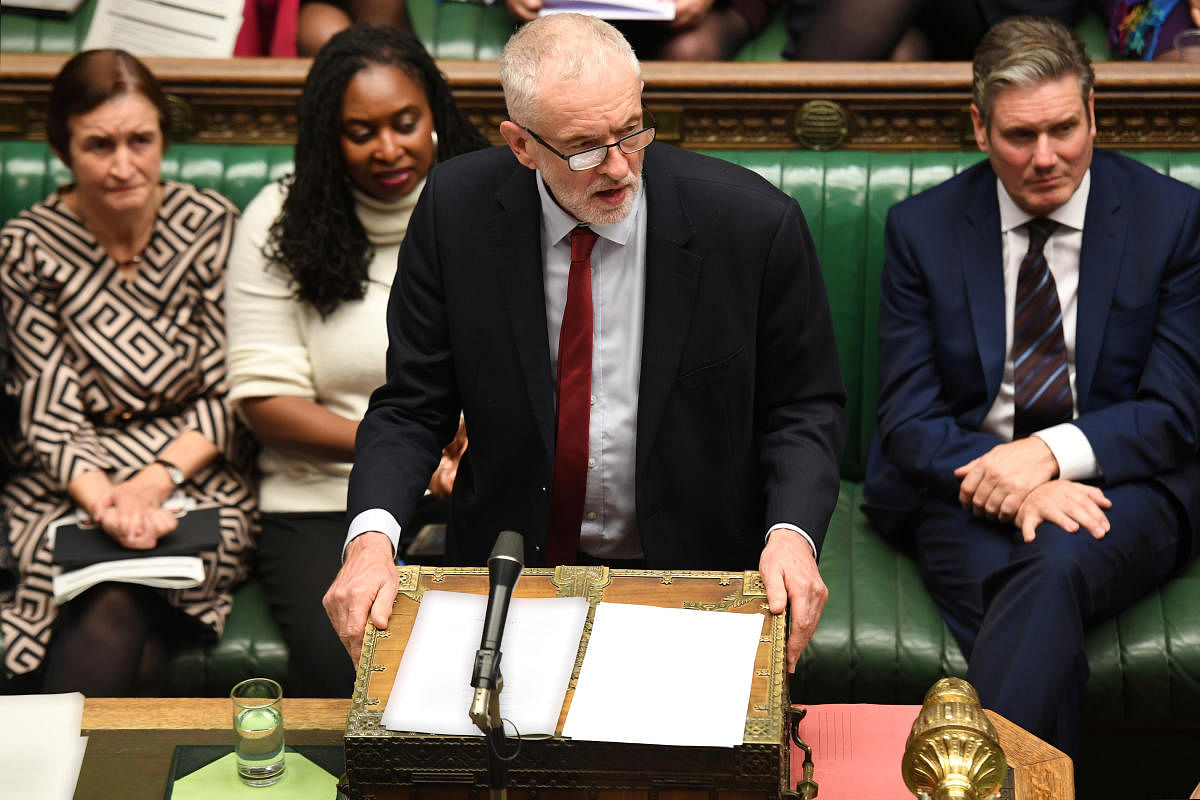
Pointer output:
740, 400
1137, 347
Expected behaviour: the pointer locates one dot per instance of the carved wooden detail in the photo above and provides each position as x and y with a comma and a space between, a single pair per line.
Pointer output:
711, 105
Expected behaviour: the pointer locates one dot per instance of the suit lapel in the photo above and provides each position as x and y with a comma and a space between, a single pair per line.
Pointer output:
983, 273
672, 278
1099, 263
514, 246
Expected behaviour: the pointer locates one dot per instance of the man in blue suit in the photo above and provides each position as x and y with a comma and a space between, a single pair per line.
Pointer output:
1040, 384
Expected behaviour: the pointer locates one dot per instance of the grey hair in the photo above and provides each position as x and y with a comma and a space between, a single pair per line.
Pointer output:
1026, 51
575, 44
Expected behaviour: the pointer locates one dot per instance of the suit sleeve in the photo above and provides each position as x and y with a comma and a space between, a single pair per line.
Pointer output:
921, 434
415, 413
1155, 429
801, 406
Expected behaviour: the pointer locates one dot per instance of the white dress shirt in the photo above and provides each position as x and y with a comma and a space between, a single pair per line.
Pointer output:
609, 528
1076, 460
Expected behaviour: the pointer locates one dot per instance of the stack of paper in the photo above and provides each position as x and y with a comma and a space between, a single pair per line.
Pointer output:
181, 28
613, 9
40, 746
650, 675
432, 692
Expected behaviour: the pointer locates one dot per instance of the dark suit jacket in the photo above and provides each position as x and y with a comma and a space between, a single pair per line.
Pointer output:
740, 407
1137, 345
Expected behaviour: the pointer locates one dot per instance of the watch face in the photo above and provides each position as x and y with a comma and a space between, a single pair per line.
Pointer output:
175, 473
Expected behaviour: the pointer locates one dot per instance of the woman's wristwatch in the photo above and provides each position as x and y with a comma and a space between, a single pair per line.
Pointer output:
173, 471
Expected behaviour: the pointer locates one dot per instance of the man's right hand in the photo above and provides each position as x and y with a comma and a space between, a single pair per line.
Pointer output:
1068, 504
365, 585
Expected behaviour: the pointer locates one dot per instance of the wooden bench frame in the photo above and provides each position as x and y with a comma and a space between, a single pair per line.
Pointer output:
862, 106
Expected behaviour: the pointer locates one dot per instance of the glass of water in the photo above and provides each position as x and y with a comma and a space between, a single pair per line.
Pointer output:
258, 731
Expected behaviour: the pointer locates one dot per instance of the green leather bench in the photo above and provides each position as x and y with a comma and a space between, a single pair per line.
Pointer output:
880, 639
450, 30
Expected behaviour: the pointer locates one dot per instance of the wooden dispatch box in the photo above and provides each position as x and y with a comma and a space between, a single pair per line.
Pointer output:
390, 764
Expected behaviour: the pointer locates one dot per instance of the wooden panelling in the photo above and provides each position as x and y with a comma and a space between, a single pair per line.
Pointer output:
877, 106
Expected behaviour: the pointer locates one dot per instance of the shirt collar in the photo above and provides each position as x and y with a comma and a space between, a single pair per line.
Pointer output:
559, 224
1070, 214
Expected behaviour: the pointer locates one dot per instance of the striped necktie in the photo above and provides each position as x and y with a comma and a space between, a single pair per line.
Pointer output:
1042, 386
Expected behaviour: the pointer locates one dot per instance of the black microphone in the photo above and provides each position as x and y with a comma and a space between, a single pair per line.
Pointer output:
505, 565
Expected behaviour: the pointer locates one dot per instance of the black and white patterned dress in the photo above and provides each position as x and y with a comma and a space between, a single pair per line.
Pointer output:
105, 373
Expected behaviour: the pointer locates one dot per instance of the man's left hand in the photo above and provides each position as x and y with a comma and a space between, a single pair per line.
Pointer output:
789, 572
995, 484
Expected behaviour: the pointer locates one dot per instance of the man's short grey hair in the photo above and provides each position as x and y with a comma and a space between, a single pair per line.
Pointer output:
1026, 51
572, 45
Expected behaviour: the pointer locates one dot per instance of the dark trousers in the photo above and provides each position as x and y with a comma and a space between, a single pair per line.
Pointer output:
298, 557
1019, 611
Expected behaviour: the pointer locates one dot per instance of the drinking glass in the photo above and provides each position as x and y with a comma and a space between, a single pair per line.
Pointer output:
258, 731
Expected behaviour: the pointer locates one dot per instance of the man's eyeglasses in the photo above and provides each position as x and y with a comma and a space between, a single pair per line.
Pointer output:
594, 156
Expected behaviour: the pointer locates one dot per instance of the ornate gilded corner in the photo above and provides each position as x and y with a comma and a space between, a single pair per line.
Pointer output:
752, 585
365, 717
410, 582
821, 125
589, 582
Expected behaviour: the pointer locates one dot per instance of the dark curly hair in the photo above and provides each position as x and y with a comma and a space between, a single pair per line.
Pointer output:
318, 237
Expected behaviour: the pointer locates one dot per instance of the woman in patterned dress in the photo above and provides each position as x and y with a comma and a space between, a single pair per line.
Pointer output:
111, 293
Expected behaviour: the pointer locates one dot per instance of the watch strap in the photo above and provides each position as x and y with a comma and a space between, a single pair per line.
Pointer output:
173, 471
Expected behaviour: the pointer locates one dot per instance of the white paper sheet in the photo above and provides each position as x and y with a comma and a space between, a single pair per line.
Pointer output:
665, 676
40, 746
181, 28
661, 10
432, 692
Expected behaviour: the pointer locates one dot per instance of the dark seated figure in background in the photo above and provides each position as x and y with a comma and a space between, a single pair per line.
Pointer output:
904, 30
702, 30
1039, 385
319, 20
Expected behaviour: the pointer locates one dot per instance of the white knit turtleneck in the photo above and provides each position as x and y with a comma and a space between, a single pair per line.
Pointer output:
385, 223
279, 345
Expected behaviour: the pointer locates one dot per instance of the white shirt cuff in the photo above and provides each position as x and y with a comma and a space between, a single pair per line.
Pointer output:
1072, 450
374, 519
789, 527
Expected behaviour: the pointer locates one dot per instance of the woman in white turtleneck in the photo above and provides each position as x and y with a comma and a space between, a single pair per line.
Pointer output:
306, 296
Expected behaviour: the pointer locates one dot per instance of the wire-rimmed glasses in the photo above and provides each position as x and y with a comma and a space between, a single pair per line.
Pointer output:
594, 156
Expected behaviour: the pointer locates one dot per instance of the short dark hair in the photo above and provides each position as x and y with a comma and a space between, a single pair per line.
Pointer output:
1024, 51
94, 77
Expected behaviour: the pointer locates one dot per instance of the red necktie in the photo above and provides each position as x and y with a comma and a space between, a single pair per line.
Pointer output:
1041, 384
574, 405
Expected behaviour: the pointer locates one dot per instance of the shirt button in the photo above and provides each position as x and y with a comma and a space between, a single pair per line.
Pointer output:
591, 515
591, 463
129, 414
593, 399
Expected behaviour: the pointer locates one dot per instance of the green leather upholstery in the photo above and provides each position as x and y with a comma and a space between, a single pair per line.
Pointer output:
881, 638
25, 33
